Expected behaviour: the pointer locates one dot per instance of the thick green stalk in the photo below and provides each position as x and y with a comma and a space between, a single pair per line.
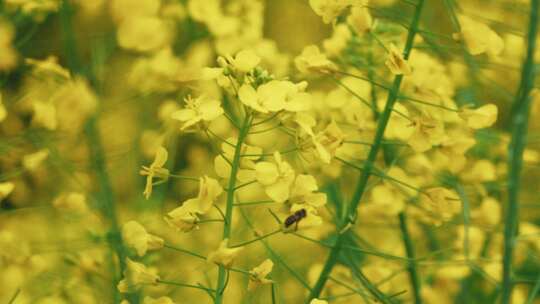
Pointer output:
230, 201
520, 119
372, 156
409, 249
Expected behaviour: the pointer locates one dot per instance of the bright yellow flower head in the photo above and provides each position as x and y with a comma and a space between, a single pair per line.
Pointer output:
317, 301
258, 274
197, 110
312, 60
135, 276
276, 177
482, 117
396, 63
136, 237
224, 255
155, 170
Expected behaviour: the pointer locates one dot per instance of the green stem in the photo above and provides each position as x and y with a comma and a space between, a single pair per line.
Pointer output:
262, 237
372, 156
409, 249
231, 188
185, 285
520, 118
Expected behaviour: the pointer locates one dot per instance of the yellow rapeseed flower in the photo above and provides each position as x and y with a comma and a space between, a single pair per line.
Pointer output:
258, 274
155, 170
136, 237
396, 63
224, 255
197, 110
136, 275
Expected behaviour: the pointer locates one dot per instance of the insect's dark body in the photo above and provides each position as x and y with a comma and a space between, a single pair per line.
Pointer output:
295, 218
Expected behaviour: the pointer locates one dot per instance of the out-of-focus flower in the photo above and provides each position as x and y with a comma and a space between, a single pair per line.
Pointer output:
5, 189
44, 115
197, 110
48, 67
155, 170
123, 9
136, 237
258, 274
360, 19
8, 60
38, 8
488, 213
428, 131
312, 60
479, 38
396, 63
160, 300
143, 34
32, 161
331, 9
3, 111
482, 117
441, 204
246, 61
71, 201
276, 177
135, 276
224, 255
317, 301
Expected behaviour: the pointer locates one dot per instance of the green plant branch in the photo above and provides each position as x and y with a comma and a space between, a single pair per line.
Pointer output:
409, 249
231, 188
519, 126
372, 156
